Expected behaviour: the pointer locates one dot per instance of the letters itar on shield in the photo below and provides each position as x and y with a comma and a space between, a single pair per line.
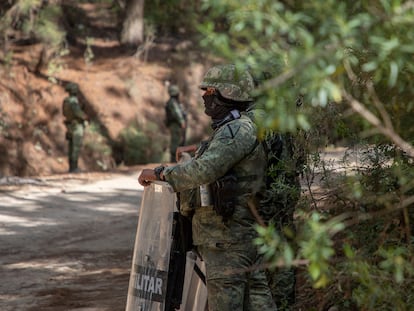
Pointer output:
150, 284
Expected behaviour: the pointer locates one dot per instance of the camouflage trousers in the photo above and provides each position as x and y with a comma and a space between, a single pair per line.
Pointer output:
232, 282
74, 136
282, 281
177, 139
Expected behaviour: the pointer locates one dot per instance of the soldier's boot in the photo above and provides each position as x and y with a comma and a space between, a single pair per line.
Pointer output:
73, 166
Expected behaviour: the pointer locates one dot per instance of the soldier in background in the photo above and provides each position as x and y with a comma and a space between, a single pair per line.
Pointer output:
75, 119
175, 120
286, 160
282, 194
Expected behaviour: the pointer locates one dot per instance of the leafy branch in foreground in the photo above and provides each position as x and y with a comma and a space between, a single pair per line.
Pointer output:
356, 56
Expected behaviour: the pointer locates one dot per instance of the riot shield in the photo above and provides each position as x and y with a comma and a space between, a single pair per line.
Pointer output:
194, 289
194, 296
150, 262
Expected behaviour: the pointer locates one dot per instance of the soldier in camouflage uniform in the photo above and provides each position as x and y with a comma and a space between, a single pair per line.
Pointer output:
231, 164
286, 157
282, 195
175, 120
74, 121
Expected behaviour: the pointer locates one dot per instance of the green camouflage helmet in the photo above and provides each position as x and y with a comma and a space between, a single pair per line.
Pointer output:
71, 87
173, 90
232, 84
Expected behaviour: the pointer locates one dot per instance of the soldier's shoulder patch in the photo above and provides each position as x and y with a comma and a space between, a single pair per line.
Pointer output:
230, 130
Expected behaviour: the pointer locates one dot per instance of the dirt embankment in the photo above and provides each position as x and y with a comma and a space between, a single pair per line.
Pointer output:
117, 88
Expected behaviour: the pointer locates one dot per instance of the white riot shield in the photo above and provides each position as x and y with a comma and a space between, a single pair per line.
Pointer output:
148, 279
195, 290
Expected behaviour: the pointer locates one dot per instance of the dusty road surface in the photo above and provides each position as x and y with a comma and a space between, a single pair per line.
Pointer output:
66, 241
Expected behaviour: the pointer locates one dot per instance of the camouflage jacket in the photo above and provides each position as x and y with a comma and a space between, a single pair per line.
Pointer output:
234, 147
72, 110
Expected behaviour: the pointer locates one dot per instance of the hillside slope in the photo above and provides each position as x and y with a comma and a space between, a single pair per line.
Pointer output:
118, 88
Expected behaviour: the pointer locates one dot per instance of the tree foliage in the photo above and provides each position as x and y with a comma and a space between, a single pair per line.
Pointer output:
174, 16
35, 20
326, 51
342, 57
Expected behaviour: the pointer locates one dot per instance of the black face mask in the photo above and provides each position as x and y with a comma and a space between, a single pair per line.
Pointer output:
214, 108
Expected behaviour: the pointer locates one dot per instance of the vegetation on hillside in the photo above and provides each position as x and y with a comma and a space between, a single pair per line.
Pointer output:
350, 64
46, 44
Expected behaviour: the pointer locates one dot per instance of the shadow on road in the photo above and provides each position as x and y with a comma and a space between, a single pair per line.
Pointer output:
67, 246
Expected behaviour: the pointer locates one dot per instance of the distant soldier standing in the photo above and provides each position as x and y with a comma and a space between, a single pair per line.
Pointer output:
74, 121
175, 120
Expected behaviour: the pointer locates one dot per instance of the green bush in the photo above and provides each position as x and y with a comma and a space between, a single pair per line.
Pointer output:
97, 151
173, 16
140, 145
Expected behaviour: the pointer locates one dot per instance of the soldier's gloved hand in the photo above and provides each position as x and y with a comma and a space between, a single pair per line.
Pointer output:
146, 177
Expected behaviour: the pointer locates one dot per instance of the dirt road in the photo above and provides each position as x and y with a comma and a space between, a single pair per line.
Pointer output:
66, 241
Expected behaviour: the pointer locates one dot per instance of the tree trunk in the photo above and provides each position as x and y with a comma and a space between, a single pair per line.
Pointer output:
133, 26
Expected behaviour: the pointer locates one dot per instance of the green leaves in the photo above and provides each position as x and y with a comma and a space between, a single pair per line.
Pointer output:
268, 242
339, 57
317, 41
317, 246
